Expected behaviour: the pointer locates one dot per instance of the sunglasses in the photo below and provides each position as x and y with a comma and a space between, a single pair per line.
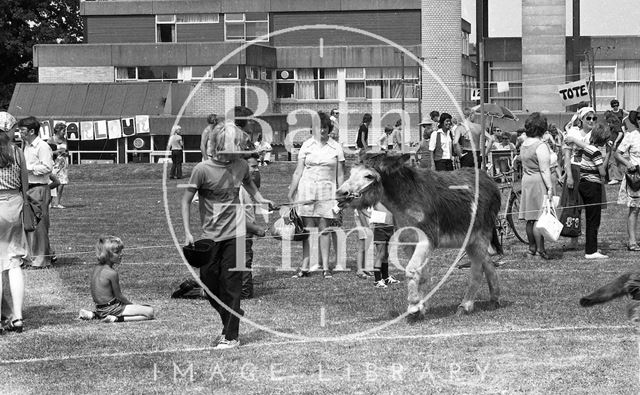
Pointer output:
591, 118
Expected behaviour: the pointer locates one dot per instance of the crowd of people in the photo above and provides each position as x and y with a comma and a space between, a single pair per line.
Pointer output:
575, 162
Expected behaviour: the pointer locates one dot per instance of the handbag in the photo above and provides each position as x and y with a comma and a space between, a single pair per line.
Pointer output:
548, 223
570, 215
633, 179
289, 227
31, 208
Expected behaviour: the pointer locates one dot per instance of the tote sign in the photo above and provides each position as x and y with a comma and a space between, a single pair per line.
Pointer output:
574, 92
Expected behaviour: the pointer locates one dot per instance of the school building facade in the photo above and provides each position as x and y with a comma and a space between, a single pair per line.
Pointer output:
190, 58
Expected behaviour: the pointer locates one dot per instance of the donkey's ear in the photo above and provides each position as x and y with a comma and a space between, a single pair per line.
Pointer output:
405, 157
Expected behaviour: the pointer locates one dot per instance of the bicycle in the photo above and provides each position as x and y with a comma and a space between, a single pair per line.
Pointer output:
507, 224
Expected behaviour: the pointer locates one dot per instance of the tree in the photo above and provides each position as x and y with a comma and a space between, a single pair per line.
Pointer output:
24, 23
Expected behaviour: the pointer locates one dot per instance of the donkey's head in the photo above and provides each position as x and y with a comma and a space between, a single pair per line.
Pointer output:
384, 162
361, 190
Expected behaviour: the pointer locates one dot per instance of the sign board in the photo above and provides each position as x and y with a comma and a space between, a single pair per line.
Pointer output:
574, 92
475, 95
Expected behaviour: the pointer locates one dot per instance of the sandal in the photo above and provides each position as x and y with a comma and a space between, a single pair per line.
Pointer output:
633, 247
12, 327
543, 255
327, 274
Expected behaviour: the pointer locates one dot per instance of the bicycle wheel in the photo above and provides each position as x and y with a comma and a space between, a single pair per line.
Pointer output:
519, 227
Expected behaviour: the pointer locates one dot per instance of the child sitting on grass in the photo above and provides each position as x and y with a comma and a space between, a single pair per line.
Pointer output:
111, 305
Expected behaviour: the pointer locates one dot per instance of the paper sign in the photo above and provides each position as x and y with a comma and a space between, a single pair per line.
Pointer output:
100, 130
475, 95
142, 124
503, 86
86, 130
115, 129
574, 92
128, 127
378, 217
73, 131
45, 130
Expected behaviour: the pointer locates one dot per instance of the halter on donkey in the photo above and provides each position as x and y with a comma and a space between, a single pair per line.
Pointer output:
443, 206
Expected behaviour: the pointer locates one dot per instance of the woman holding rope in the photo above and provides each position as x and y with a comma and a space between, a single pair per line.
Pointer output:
320, 167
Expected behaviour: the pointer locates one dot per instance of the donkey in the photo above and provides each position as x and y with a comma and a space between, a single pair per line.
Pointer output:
440, 204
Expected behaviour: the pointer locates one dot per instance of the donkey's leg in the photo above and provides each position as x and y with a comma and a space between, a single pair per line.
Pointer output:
477, 252
492, 281
418, 277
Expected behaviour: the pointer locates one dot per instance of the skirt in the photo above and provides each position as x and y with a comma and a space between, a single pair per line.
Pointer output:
533, 195
14, 247
323, 194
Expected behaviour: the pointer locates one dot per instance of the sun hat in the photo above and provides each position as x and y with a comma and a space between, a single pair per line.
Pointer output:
426, 121
198, 253
7, 121
584, 111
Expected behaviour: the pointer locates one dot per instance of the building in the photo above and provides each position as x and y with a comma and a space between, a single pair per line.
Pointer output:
536, 45
155, 58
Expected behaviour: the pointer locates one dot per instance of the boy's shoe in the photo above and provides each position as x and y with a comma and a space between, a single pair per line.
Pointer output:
110, 319
225, 344
596, 255
380, 284
300, 274
86, 315
327, 274
391, 280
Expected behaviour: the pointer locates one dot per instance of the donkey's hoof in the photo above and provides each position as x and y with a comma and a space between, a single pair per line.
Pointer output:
465, 308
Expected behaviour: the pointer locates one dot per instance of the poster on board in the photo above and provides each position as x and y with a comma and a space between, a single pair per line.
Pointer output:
142, 124
45, 130
100, 131
86, 130
73, 131
128, 127
115, 128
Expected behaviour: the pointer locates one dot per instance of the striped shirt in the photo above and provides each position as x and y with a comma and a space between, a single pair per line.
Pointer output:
591, 159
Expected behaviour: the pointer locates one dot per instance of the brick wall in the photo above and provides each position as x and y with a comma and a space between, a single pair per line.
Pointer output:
76, 74
441, 49
209, 98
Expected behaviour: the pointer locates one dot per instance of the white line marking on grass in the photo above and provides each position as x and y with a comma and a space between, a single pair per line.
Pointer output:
448, 335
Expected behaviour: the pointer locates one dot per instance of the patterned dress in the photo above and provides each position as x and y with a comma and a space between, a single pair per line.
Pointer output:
630, 145
13, 240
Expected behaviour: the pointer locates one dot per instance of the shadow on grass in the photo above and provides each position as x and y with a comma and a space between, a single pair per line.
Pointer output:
40, 315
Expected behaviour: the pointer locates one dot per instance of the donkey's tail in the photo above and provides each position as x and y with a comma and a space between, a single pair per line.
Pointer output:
626, 284
495, 242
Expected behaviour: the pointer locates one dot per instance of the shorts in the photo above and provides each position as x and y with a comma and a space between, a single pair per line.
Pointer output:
115, 307
383, 233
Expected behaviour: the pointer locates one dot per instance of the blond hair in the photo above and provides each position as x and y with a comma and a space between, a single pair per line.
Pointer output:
226, 137
107, 247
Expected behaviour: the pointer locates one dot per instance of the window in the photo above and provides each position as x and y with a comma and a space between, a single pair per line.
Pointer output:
387, 83
614, 80
465, 43
258, 73
307, 84
355, 83
246, 27
146, 73
225, 71
166, 28
510, 72
166, 24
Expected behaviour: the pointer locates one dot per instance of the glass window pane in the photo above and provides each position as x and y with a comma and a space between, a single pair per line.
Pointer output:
329, 74
169, 72
306, 90
166, 33
373, 73
235, 31
305, 74
226, 71
257, 29
328, 90
165, 18
149, 73
392, 72
355, 73
285, 90
256, 16
234, 17
375, 89
355, 89
199, 71
197, 18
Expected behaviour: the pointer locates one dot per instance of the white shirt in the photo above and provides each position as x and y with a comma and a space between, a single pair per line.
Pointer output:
445, 143
39, 158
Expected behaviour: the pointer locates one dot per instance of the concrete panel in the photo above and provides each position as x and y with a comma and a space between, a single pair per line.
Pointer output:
200, 32
121, 29
229, 6
54, 55
259, 55
353, 5
116, 8
208, 54
305, 5
149, 54
187, 7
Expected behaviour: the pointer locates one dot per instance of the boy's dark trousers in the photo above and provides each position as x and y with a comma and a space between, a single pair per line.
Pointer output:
591, 193
247, 276
225, 284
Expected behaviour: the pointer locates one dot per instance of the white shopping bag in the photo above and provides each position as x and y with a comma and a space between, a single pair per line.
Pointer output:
548, 223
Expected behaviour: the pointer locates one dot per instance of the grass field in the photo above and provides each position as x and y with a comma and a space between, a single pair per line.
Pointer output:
540, 341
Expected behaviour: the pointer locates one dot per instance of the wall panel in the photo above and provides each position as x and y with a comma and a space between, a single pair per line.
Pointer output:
121, 29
